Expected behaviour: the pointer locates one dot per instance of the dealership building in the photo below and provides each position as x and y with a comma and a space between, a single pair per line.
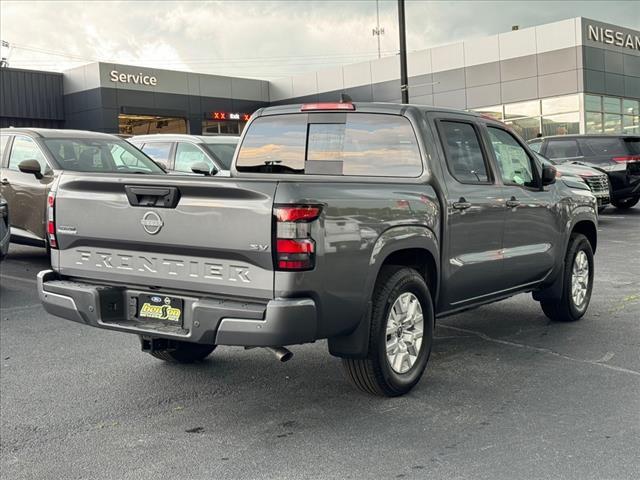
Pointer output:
572, 76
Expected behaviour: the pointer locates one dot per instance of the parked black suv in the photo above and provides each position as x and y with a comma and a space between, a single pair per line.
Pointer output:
617, 155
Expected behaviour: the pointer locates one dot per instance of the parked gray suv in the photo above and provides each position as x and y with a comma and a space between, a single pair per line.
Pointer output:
353, 222
209, 155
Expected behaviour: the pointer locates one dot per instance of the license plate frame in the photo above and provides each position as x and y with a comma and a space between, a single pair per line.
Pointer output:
160, 308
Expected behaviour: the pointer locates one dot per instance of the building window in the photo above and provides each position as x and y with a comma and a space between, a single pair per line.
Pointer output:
630, 107
611, 105
228, 127
527, 128
145, 124
593, 103
612, 123
522, 109
493, 112
593, 122
631, 124
552, 106
562, 124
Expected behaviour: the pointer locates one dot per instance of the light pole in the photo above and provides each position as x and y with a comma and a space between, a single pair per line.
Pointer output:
404, 81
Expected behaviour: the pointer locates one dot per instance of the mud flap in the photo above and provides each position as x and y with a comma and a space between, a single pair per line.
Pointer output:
356, 344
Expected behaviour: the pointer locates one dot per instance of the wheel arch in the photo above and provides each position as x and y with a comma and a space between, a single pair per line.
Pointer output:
589, 230
412, 246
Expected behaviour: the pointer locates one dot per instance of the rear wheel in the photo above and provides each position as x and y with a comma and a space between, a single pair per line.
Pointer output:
400, 338
625, 203
602, 209
183, 352
577, 283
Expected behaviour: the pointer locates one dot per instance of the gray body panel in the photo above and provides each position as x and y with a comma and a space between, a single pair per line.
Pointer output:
217, 242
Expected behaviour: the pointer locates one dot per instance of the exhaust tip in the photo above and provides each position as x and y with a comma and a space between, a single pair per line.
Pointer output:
281, 353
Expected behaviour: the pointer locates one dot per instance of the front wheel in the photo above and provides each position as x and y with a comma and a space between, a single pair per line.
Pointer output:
626, 203
400, 338
577, 283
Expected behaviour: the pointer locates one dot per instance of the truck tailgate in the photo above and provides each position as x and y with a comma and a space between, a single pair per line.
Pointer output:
213, 235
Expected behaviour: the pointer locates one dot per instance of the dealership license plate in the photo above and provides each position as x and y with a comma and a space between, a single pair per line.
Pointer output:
160, 307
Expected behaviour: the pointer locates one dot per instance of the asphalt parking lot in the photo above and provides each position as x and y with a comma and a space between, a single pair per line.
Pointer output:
507, 395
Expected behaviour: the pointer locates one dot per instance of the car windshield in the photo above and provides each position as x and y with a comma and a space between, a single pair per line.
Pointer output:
101, 155
223, 152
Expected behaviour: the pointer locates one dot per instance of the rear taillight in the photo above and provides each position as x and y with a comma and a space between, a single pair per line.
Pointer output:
626, 158
51, 220
295, 250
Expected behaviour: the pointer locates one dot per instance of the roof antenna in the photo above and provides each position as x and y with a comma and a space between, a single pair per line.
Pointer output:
344, 98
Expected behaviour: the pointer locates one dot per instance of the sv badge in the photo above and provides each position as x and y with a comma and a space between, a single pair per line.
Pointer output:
259, 247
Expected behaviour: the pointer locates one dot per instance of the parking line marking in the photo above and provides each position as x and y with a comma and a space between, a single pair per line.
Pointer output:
539, 349
20, 279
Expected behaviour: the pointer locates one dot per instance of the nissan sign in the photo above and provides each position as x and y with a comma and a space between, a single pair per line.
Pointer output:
613, 37
135, 78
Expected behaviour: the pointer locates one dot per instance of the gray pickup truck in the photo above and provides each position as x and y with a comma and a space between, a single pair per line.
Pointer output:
353, 222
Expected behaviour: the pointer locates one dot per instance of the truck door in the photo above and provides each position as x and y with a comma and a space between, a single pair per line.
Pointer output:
26, 194
474, 215
532, 229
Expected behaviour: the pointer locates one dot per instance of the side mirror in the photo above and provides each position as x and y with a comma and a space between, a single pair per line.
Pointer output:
204, 169
32, 167
548, 175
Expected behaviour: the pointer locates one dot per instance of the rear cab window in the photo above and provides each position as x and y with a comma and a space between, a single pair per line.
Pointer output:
463, 153
349, 144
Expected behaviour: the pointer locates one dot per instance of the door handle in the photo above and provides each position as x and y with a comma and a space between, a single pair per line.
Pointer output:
462, 204
5, 181
513, 203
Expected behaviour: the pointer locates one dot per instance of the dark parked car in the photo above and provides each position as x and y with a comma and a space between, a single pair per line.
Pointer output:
210, 155
32, 158
587, 177
616, 155
357, 223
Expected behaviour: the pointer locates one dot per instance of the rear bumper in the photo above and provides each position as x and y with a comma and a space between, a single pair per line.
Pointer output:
206, 320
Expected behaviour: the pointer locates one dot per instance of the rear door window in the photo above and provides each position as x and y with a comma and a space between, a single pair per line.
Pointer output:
188, 155
562, 149
356, 144
158, 151
463, 153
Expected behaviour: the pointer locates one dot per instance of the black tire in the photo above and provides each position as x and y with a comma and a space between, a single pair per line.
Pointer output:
626, 203
184, 352
601, 209
564, 309
374, 374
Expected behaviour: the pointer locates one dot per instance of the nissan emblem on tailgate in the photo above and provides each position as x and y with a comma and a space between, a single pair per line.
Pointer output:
151, 222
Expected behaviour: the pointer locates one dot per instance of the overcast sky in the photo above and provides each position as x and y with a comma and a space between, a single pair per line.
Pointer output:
262, 39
